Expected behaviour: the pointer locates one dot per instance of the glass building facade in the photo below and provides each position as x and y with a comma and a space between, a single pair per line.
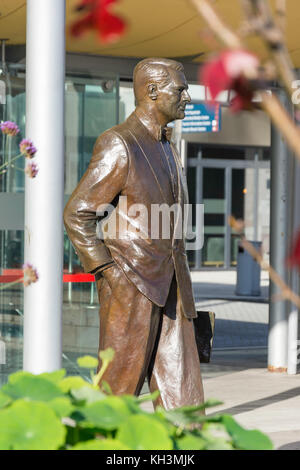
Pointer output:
92, 105
227, 179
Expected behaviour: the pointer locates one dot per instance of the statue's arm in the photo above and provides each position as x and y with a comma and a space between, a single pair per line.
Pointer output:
103, 180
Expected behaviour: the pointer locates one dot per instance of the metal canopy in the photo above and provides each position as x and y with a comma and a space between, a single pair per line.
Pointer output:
169, 28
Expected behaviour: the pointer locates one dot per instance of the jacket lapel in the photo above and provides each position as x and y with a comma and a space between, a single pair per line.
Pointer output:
152, 153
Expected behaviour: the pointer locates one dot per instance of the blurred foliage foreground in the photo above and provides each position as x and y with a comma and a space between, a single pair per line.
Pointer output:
50, 411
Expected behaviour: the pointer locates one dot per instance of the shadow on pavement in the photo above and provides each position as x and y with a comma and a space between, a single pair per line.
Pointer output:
235, 333
252, 405
209, 290
290, 446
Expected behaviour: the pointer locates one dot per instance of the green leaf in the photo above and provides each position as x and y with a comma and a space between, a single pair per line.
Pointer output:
16, 376
30, 426
180, 417
31, 387
89, 394
97, 444
211, 403
149, 397
88, 362
55, 376
246, 439
4, 400
108, 413
141, 432
107, 355
133, 404
73, 383
218, 443
106, 388
189, 414
61, 406
190, 442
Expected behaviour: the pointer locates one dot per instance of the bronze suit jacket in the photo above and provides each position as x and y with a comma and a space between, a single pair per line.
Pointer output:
128, 160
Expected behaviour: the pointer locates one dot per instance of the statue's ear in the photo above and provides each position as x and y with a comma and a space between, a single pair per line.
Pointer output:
152, 91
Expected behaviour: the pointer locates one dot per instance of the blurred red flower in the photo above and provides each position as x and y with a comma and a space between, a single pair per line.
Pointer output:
294, 256
98, 17
231, 70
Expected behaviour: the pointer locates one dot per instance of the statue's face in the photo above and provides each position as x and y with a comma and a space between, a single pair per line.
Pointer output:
173, 97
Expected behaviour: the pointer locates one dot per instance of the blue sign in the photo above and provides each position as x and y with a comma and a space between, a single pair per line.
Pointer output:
201, 117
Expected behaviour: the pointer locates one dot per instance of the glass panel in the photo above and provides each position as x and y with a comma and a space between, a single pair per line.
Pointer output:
251, 202
13, 110
80, 324
11, 303
91, 108
191, 183
214, 216
126, 100
238, 194
250, 199
263, 207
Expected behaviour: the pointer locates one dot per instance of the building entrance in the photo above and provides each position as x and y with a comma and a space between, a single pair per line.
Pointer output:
228, 186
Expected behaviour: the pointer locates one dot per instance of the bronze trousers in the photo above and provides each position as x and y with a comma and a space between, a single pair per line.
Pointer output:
149, 342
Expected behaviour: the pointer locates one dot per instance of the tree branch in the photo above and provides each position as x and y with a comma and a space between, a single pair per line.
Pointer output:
285, 291
231, 40
218, 26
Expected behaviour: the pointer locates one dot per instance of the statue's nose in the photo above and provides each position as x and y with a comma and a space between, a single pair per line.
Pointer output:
187, 97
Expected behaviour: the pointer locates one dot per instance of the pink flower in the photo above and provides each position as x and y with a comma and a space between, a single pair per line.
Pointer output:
9, 128
98, 17
30, 274
31, 169
27, 148
294, 255
232, 70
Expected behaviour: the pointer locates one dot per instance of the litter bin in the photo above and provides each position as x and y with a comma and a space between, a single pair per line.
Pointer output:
248, 272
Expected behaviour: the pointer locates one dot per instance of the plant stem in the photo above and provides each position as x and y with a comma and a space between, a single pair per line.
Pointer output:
285, 291
17, 168
98, 376
225, 34
7, 163
231, 40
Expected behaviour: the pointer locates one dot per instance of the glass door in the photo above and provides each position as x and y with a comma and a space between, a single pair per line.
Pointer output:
228, 187
214, 200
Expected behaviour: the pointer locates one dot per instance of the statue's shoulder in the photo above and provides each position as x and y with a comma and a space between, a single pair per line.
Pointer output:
116, 136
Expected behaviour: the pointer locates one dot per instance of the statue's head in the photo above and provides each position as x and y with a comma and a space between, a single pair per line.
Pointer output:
161, 84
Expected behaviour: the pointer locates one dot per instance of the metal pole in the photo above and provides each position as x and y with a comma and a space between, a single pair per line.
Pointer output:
293, 312
183, 154
255, 197
45, 71
70, 284
199, 200
227, 229
278, 322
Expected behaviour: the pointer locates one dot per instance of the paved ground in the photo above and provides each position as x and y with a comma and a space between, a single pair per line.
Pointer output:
237, 373
220, 284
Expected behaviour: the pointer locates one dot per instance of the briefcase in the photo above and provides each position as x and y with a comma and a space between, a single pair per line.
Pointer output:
204, 326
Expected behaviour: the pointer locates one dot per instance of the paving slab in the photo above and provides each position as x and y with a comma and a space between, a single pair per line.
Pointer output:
221, 284
262, 400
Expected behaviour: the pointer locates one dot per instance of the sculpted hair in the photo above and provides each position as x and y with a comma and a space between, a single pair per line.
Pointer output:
153, 70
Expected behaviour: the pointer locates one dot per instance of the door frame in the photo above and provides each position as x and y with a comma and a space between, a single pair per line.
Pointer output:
228, 165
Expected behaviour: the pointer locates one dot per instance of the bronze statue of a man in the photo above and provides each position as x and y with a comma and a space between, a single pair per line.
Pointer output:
143, 281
